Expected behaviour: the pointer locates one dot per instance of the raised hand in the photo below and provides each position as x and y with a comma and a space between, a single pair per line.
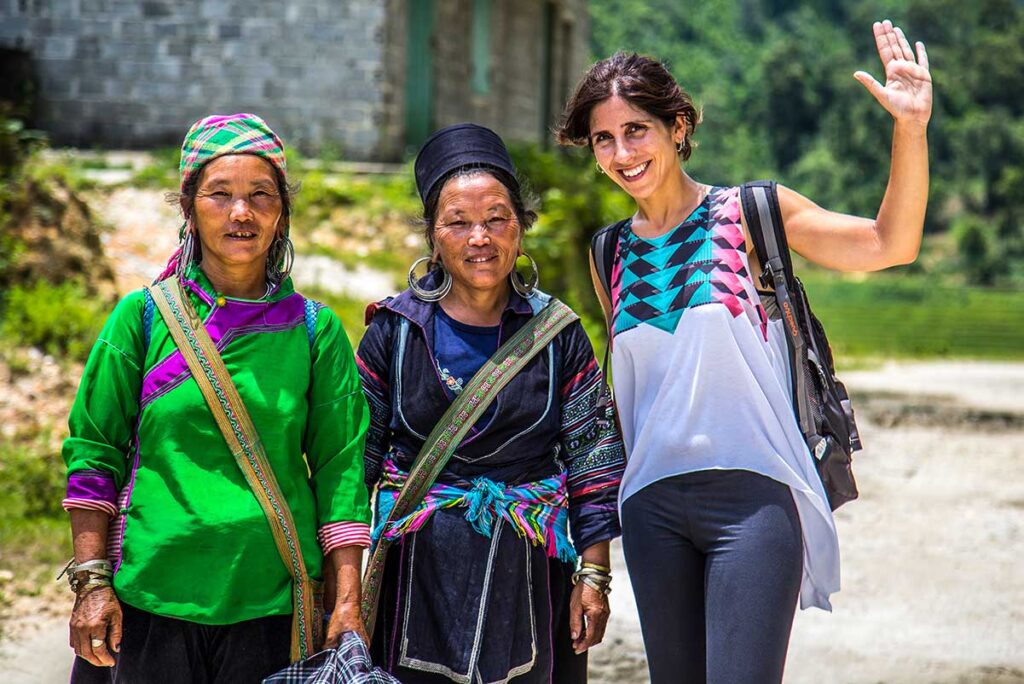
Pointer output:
907, 93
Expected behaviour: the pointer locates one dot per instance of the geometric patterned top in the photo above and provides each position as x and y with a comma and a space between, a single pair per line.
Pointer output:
698, 262
701, 375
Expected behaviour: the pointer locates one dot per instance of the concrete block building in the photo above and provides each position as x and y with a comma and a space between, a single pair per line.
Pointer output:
370, 78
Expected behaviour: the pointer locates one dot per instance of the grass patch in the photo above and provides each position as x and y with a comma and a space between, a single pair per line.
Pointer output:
909, 316
161, 172
375, 196
35, 539
350, 310
33, 477
63, 320
70, 170
30, 547
395, 263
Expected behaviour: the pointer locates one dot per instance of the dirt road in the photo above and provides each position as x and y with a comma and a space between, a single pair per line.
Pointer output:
932, 586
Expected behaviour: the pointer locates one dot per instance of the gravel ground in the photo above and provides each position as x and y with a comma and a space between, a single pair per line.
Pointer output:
932, 590
932, 586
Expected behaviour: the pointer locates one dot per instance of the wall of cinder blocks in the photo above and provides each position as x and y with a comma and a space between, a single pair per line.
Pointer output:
136, 73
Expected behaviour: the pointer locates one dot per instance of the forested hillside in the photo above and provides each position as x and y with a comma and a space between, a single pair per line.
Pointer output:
775, 79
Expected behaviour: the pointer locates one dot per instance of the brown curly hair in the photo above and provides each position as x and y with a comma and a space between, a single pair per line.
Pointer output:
643, 82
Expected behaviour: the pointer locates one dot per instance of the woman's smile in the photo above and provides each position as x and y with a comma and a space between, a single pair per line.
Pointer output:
634, 173
241, 235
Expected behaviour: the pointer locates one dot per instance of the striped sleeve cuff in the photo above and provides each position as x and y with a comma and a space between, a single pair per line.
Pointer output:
340, 534
91, 490
90, 505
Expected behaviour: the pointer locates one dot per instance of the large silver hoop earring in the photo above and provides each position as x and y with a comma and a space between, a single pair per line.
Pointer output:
519, 284
280, 260
599, 169
187, 255
430, 295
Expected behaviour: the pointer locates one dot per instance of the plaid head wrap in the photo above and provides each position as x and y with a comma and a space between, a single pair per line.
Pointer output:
218, 135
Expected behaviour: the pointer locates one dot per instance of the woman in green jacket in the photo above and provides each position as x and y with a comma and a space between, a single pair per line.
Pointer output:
180, 572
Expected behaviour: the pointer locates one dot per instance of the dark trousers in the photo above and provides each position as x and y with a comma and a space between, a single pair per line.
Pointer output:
163, 650
715, 558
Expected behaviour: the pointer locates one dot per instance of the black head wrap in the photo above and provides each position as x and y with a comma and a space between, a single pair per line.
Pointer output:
450, 148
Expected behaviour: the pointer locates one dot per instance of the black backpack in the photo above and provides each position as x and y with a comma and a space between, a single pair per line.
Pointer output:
821, 404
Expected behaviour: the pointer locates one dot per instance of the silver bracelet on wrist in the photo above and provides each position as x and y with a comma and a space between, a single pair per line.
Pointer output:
593, 578
88, 574
601, 587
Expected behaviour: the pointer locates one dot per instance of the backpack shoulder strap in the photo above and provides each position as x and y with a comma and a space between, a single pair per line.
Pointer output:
602, 247
760, 201
311, 311
147, 317
764, 223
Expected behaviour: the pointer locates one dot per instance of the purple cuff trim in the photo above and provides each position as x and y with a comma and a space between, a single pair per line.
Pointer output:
92, 485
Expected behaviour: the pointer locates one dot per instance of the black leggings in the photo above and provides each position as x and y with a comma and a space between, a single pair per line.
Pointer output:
715, 558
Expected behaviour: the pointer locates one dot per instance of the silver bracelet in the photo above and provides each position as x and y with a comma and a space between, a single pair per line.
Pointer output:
593, 578
97, 572
100, 566
91, 583
602, 587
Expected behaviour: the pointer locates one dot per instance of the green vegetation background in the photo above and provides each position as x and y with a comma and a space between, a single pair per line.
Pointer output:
774, 79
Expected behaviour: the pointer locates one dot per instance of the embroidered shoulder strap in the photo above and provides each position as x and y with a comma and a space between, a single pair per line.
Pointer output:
439, 446
232, 418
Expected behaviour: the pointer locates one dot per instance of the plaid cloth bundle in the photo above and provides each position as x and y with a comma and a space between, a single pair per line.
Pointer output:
349, 663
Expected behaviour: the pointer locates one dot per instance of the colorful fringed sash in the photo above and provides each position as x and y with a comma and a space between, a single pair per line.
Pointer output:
538, 511
446, 436
209, 372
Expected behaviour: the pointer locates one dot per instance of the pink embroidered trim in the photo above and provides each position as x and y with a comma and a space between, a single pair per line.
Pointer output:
340, 534
90, 505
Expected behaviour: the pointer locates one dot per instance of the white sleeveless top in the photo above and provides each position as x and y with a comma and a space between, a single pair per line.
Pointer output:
701, 374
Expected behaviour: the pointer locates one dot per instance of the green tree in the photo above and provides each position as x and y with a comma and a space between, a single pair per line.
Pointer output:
775, 81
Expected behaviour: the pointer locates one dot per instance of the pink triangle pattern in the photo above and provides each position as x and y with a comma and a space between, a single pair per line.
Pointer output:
731, 302
728, 208
735, 288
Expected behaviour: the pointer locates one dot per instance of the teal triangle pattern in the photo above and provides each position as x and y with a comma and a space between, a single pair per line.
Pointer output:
702, 295
663, 278
663, 300
694, 264
667, 321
